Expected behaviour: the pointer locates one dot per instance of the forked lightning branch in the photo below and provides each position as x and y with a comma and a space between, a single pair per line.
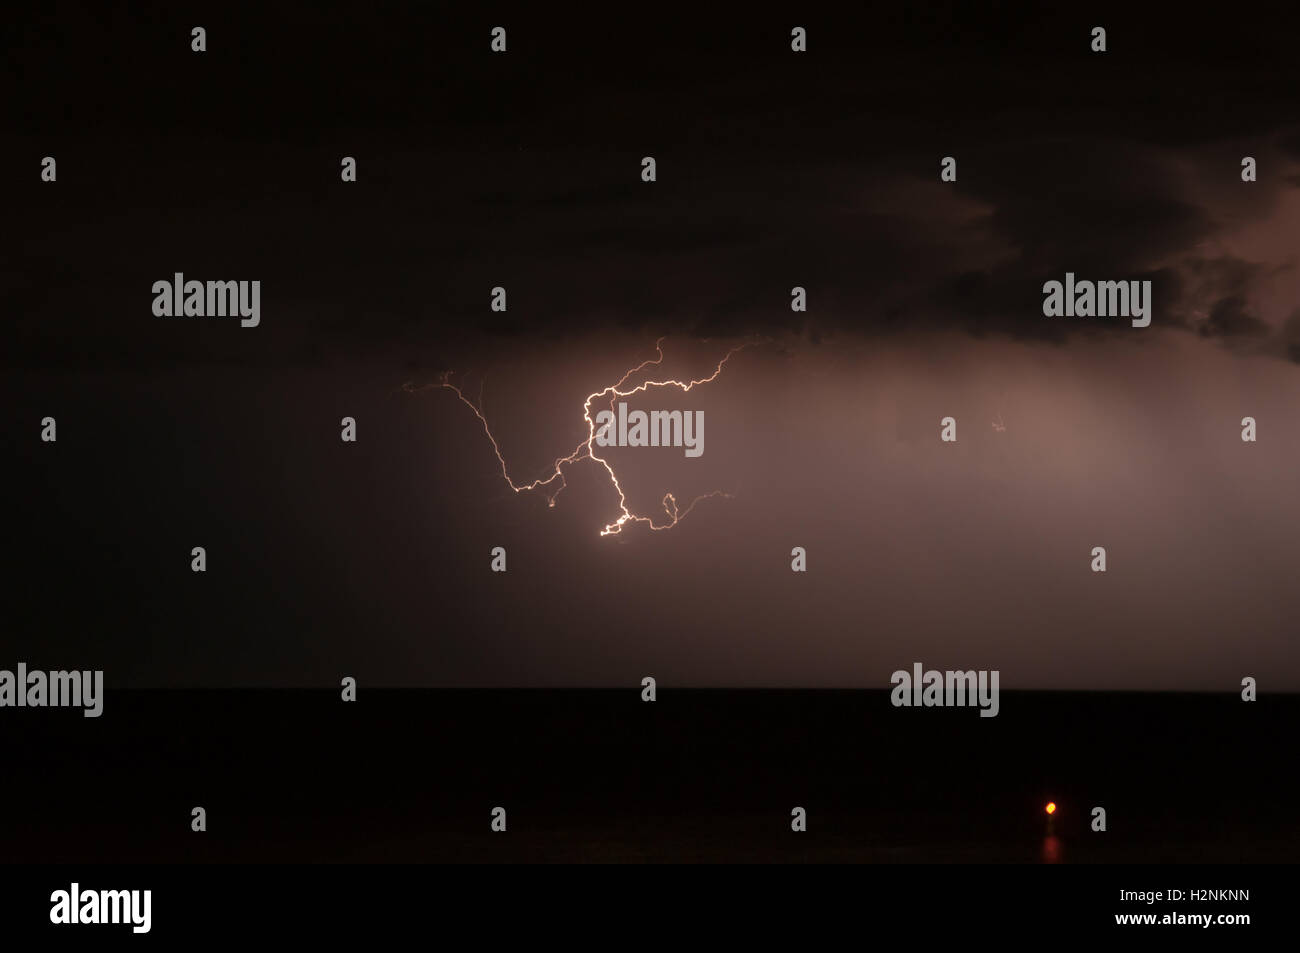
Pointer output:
616, 426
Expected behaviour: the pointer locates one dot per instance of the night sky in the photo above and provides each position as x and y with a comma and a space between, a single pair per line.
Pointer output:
775, 169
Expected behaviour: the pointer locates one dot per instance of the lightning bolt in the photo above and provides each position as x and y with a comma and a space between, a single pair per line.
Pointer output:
586, 449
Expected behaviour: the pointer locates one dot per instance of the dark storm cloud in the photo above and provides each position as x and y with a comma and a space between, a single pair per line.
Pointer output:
524, 171
1100, 210
1224, 283
1230, 318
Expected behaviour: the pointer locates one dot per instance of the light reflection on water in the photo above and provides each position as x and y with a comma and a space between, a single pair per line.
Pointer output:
1053, 849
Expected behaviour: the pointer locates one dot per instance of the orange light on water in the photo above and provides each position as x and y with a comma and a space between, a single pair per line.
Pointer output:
1051, 807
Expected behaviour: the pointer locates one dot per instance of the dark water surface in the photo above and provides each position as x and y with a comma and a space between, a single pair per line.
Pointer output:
698, 775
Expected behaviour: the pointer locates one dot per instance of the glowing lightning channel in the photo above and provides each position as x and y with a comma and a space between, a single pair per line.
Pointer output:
585, 451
